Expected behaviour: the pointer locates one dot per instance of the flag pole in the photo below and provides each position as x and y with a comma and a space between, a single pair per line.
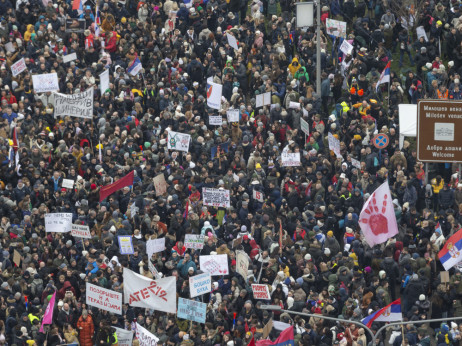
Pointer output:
388, 99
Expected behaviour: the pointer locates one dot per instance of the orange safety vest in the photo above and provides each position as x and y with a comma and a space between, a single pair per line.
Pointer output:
443, 96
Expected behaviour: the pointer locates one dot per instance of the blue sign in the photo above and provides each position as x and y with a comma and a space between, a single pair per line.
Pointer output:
192, 310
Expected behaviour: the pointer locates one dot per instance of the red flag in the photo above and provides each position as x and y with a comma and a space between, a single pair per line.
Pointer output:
76, 4
15, 140
246, 327
114, 187
252, 342
286, 337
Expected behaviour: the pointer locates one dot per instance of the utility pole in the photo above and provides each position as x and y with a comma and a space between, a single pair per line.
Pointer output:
318, 48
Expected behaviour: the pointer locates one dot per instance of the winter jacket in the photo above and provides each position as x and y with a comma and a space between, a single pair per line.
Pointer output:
86, 329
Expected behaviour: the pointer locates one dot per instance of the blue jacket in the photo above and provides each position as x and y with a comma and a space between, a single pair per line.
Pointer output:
183, 268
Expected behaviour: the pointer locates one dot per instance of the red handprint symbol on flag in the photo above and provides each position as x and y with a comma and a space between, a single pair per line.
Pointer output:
374, 216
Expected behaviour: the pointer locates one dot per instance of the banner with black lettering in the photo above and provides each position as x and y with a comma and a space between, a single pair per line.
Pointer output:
76, 105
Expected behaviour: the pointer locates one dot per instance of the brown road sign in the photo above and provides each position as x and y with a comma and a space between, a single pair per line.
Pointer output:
439, 131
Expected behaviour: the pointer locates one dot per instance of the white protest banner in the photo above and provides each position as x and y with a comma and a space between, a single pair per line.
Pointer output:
356, 163
263, 100
258, 196
76, 105
124, 337
9, 47
104, 81
200, 284
290, 159
68, 183
104, 299
192, 310
81, 231
58, 222
242, 264
294, 105
143, 292
125, 245
160, 184
261, 292
178, 141
145, 337
215, 197
215, 265
45, 82
232, 41
194, 241
18, 67
304, 126
336, 27
420, 30
334, 144
133, 209
215, 120
155, 246
346, 48
214, 92
69, 57
233, 115
153, 270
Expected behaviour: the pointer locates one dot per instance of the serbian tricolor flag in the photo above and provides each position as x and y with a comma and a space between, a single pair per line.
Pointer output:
286, 338
114, 187
78, 5
389, 313
451, 253
135, 67
438, 228
48, 315
385, 76
214, 93
97, 22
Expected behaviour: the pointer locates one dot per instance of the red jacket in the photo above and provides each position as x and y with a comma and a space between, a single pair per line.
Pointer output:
86, 330
111, 43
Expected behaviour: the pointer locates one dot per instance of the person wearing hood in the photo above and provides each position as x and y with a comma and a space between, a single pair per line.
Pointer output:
294, 66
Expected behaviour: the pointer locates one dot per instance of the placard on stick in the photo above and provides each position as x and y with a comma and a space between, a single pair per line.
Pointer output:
17, 258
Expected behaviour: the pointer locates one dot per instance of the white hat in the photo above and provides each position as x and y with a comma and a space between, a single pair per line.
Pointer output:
382, 274
422, 297
61, 303
428, 65
307, 257
451, 63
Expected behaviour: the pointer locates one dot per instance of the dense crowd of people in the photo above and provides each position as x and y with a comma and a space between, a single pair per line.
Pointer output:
303, 238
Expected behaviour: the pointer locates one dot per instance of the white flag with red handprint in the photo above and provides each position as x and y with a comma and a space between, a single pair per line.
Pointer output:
377, 219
